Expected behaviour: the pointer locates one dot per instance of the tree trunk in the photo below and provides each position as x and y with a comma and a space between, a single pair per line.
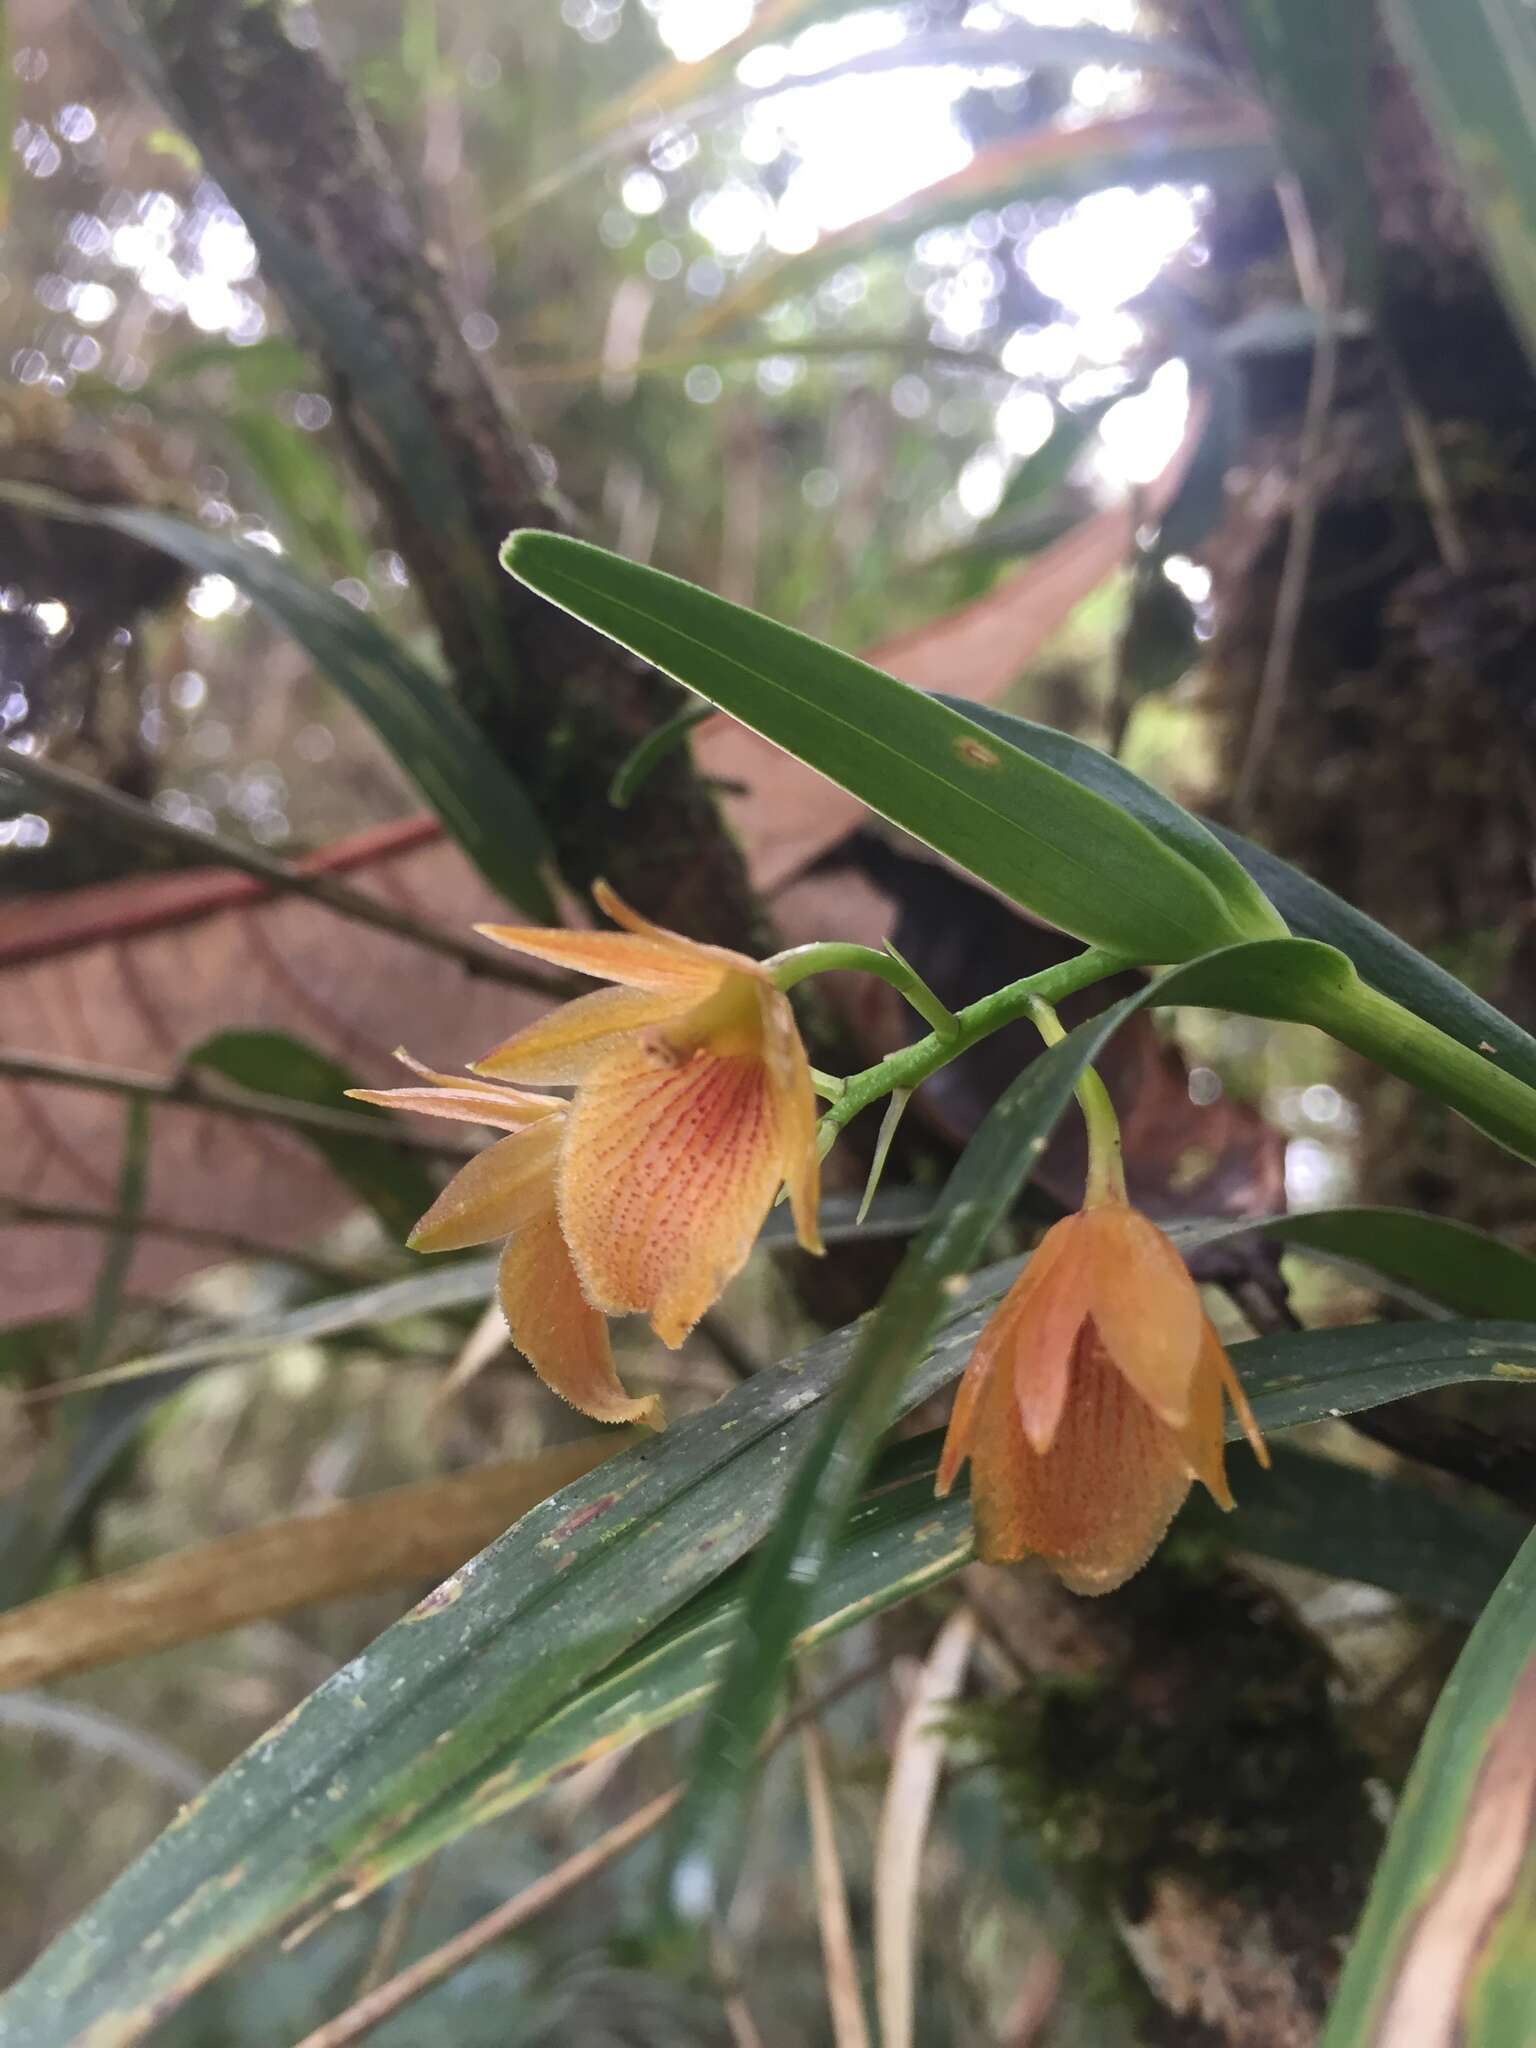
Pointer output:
451, 469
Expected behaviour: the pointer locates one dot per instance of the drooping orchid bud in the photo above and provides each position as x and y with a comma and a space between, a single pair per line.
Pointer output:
1092, 1402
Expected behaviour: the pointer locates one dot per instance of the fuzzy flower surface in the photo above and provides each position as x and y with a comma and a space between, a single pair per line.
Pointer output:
1092, 1402
693, 1105
508, 1192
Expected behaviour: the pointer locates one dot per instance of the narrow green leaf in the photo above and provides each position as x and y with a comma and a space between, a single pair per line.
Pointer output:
1437, 1552
1444, 1951
1093, 769
57, 1496
637, 768
1074, 859
1026, 45
257, 370
1313, 63
444, 1284
899, 1540
480, 803
1488, 1051
394, 1184
1449, 1263
302, 486
1224, 145
1474, 65
978, 1194
118, 1250
426, 1734
1441, 1551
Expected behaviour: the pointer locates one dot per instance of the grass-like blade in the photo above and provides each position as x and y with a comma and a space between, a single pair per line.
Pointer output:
1474, 66
434, 741
1225, 144
1438, 1260
40, 1519
1030, 46
1446, 1552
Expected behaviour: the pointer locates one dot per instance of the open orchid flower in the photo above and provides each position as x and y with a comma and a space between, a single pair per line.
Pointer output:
508, 1192
1092, 1402
693, 1105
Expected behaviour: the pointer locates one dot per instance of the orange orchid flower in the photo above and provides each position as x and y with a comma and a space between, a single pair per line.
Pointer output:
1092, 1401
508, 1191
693, 1105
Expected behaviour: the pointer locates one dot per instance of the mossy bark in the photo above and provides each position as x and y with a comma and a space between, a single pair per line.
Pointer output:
1180, 1758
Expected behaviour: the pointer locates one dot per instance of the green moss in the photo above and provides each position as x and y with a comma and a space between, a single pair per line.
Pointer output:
1206, 1747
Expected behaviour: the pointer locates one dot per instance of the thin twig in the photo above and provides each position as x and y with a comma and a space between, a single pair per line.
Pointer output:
917, 1758
745, 2032
59, 1215
845, 2001
367, 2013
139, 821
191, 1090
1296, 567
1434, 485
393, 1930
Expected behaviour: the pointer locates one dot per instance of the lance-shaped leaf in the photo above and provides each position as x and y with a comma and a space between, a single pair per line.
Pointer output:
1065, 853
1442, 1958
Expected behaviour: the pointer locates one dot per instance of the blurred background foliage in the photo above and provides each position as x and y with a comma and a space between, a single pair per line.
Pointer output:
864, 316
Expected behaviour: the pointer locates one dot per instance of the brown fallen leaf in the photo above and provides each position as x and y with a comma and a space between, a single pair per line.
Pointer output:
389, 1539
134, 974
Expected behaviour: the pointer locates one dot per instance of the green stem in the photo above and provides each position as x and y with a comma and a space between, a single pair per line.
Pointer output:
832, 956
1106, 1165
914, 1063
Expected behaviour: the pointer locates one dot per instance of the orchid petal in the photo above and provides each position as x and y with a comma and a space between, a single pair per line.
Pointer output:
1098, 1503
505, 1109
1212, 1350
1046, 1334
613, 905
497, 1192
1145, 1307
563, 1046
995, 1348
557, 1330
669, 1168
1202, 1437
663, 964
789, 1075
